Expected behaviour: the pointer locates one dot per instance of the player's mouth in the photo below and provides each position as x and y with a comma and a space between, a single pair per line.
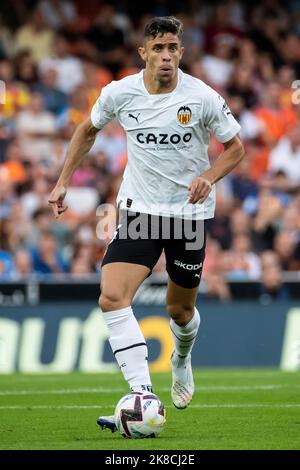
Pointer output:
166, 69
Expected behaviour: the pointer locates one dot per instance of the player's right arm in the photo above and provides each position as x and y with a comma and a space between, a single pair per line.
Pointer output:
80, 144
83, 138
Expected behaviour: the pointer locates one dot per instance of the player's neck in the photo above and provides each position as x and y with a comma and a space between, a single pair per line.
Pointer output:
155, 87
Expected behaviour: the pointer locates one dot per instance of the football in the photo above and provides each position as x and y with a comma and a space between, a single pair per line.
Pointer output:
139, 415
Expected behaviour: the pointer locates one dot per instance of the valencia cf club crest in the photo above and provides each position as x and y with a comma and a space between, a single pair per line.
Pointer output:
184, 114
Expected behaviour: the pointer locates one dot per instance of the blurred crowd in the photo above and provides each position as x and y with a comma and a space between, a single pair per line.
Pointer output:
56, 55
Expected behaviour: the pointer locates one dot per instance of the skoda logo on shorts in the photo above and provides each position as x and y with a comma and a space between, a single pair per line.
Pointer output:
184, 114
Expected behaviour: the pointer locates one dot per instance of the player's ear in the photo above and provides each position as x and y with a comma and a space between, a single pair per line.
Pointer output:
181, 52
142, 52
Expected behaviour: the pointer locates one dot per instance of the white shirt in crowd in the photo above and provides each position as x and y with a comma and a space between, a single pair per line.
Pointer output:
54, 16
69, 72
217, 71
36, 147
284, 158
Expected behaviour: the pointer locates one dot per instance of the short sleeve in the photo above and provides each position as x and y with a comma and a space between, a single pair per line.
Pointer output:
103, 110
219, 119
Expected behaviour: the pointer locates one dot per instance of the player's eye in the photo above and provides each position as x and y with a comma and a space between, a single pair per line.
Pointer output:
173, 48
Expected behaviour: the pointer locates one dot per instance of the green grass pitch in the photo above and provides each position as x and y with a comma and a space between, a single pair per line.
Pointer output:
232, 409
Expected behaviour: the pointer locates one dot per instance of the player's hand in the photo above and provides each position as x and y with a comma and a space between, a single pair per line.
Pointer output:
199, 190
56, 199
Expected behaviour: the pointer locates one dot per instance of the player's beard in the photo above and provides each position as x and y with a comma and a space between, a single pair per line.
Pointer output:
164, 81
165, 78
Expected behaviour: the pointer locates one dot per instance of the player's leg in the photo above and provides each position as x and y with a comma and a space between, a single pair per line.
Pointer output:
126, 264
184, 324
128, 260
119, 283
184, 266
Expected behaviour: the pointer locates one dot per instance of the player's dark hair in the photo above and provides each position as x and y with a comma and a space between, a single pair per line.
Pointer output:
161, 25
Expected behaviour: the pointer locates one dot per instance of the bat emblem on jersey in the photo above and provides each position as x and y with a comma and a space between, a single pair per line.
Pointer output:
184, 114
134, 117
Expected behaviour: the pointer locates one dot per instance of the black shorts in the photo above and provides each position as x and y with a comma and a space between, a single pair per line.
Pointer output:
141, 238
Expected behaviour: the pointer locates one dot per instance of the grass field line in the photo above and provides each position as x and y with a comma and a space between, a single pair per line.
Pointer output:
213, 388
204, 406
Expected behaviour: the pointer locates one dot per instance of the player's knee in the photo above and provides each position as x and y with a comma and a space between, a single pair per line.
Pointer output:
181, 313
109, 301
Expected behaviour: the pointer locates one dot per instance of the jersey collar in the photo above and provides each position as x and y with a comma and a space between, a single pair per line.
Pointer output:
180, 75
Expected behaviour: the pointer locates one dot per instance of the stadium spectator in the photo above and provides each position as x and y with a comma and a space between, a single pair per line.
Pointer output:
219, 226
266, 35
291, 220
221, 24
193, 39
36, 128
285, 156
214, 270
19, 226
22, 264
13, 169
25, 68
285, 245
269, 259
107, 42
55, 100
9, 236
74, 114
272, 287
248, 56
243, 184
286, 76
266, 211
68, 68
60, 14
95, 78
112, 141
244, 264
6, 40
241, 84
86, 248
16, 93
46, 258
252, 126
80, 268
217, 66
41, 223
35, 36
277, 120
289, 49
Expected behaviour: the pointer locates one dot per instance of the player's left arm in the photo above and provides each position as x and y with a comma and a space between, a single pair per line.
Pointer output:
229, 159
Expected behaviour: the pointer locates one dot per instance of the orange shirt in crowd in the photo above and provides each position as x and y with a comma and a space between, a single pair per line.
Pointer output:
13, 171
259, 162
277, 122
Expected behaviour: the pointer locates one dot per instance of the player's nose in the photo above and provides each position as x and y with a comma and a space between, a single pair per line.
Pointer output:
166, 56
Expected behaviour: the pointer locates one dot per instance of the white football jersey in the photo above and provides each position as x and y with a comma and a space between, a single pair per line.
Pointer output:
167, 141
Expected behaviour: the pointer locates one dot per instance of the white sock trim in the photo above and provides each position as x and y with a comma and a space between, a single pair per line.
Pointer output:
189, 329
114, 317
185, 336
